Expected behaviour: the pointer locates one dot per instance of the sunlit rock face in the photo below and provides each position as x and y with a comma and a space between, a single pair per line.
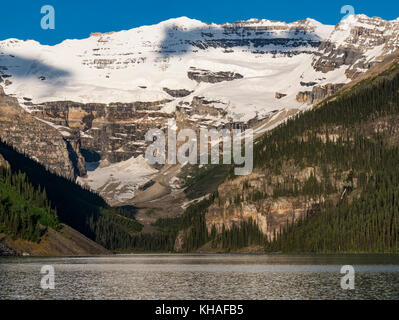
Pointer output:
270, 213
357, 42
115, 131
39, 140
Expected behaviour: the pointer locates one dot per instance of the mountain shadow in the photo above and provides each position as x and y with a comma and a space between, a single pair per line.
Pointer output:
12, 66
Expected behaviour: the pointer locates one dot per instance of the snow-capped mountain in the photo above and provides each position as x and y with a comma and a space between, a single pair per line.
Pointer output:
136, 65
119, 84
357, 42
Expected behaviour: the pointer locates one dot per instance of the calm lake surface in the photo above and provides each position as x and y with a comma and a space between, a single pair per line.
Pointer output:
238, 276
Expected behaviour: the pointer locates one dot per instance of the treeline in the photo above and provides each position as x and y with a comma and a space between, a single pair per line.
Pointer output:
246, 234
302, 136
25, 211
191, 223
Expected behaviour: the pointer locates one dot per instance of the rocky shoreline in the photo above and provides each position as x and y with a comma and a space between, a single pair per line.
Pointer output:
6, 251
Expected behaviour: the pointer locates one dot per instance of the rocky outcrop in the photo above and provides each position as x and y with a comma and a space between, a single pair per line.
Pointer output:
337, 58
308, 84
116, 132
225, 213
179, 242
3, 162
201, 75
38, 140
279, 95
6, 251
305, 97
318, 93
269, 215
73, 142
252, 198
357, 42
201, 107
178, 93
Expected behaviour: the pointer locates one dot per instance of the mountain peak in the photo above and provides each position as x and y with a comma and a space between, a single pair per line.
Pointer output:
183, 21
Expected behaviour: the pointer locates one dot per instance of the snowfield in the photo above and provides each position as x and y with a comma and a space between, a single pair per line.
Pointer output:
136, 65
120, 180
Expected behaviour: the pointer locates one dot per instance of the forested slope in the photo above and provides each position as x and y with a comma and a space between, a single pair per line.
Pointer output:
24, 210
348, 199
31, 197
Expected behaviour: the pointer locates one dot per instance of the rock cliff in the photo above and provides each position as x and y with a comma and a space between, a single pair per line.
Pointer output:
318, 93
39, 140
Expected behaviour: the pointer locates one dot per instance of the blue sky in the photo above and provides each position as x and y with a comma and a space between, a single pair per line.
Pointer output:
75, 19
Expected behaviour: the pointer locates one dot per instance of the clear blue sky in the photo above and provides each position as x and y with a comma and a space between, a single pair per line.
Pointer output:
77, 18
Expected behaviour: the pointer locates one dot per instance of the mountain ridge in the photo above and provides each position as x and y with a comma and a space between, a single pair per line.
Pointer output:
182, 28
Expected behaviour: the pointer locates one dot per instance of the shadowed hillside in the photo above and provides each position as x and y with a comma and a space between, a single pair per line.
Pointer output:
75, 206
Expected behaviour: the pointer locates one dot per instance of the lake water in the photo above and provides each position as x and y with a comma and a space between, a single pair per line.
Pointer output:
236, 276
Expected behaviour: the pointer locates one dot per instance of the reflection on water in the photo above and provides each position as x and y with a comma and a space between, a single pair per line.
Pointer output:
202, 277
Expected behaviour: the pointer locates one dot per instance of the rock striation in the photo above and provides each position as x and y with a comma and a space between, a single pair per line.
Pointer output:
270, 213
39, 140
355, 43
115, 132
318, 93
201, 75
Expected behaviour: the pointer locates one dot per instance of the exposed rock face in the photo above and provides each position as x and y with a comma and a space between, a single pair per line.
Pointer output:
73, 142
279, 95
308, 84
258, 34
179, 242
3, 162
388, 125
179, 93
269, 215
38, 140
269, 212
201, 107
305, 97
318, 93
201, 75
355, 42
116, 132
